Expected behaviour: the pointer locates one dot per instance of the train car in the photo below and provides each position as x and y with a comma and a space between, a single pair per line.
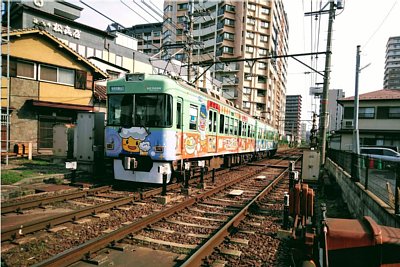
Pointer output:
156, 124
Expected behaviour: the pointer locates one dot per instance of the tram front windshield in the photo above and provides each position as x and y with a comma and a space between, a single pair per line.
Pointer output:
140, 110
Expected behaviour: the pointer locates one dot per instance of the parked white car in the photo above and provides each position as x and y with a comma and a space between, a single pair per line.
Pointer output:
382, 153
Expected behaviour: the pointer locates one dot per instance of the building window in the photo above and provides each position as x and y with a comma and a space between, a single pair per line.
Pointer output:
261, 93
246, 104
227, 49
348, 113
388, 113
250, 35
252, 7
180, 56
262, 65
157, 34
251, 21
264, 38
181, 19
262, 79
183, 6
246, 90
112, 75
229, 22
230, 8
179, 31
249, 49
366, 113
168, 8
264, 24
26, 69
265, 10
229, 36
262, 52
58, 75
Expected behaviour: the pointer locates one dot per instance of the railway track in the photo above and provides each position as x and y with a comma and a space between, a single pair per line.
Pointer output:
90, 243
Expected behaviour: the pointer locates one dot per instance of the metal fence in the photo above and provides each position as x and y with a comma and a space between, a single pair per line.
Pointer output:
380, 177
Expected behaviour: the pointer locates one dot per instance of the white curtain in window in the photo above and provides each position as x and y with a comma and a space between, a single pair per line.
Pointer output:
66, 76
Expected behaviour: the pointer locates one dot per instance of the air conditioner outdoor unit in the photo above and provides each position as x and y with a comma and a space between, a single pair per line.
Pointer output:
348, 124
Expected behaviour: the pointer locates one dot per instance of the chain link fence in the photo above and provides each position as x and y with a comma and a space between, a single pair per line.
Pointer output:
381, 177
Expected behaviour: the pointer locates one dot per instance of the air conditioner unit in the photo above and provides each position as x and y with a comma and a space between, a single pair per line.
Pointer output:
348, 124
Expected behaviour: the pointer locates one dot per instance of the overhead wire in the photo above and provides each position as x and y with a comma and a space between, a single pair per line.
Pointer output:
380, 25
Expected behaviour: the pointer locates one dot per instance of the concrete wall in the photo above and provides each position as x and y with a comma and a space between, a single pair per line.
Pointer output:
362, 202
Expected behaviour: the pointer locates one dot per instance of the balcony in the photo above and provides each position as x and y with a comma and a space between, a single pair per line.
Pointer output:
229, 93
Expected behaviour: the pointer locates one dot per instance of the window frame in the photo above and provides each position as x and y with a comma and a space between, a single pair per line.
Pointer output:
193, 122
72, 71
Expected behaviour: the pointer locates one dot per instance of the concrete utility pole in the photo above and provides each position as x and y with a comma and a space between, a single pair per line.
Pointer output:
324, 99
356, 136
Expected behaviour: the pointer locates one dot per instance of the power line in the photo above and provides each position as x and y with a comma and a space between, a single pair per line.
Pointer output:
380, 25
134, 11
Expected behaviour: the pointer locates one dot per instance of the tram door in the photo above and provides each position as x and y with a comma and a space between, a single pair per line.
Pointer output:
179, 126
212, 131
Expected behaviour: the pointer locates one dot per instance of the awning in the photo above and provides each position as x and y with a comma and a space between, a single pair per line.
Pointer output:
48, 104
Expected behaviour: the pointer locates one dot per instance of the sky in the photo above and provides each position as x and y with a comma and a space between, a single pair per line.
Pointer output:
361, 22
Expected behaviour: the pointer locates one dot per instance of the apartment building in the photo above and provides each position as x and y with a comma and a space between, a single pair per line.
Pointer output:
293, 117
236, 31
392, 64
335, 110
148, 36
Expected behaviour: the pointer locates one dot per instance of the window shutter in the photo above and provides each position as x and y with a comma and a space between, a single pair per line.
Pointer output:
348, 113
80, 79
382, 113
89, 80
13, 67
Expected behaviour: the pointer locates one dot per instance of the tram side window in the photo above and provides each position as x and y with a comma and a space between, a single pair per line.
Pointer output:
221, 123
226, 125
210, 121
215, 122
244, 129
240, 128
231, 126
235, 127
179, 115
193, 113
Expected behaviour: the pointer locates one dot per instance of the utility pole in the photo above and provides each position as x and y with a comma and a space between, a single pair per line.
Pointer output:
324, 99
356, 136
189, 38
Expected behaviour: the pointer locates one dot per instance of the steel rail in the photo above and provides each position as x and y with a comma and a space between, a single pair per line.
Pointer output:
75, 254
16, 207
208, 247
13, 232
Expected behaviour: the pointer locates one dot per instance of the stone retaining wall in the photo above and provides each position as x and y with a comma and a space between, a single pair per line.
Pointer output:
361, 202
